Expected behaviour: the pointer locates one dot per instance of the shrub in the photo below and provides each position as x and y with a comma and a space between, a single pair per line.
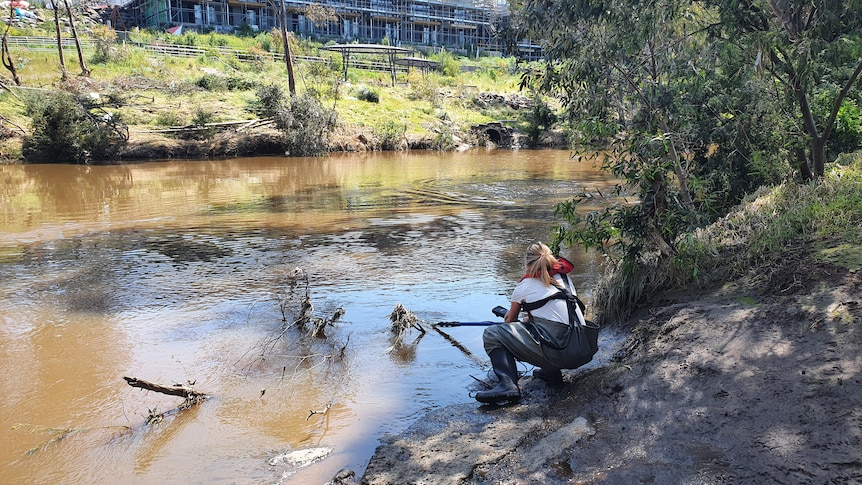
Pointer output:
64, 130
106, 44
305, 125
200, 119
390, 134
212, 82
539, 120
364, 93
269, 99
448, 65
444, 139
168, 118
235, 83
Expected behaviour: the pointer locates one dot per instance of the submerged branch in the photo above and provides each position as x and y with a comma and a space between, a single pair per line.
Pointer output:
459, 346
60, 433
323, 411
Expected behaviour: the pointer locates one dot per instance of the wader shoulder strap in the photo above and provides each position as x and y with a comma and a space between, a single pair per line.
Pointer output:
540, 303
563, 294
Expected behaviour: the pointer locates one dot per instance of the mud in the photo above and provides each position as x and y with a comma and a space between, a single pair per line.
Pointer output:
740, 384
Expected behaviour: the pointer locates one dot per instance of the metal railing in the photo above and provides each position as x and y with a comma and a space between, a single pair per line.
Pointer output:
185, 51
172, 50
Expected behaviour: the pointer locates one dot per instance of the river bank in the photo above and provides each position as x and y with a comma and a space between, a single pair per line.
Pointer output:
744, 383
265, 139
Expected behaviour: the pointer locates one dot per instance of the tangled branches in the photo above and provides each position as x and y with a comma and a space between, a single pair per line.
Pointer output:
403, 319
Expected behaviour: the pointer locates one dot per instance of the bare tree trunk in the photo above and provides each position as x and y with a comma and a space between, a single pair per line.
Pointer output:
84, 70
804, 166
8, 62
681, 175
63, 74
291, 82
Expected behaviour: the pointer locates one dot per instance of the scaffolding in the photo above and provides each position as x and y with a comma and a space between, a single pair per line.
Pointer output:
454, 24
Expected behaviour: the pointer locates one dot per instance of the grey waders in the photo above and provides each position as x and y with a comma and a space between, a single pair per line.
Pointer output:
504, 366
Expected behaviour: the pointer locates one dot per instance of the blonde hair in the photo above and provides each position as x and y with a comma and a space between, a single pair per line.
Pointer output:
538, 261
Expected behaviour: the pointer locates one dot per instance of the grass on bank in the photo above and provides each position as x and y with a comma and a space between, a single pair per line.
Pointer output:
161, 91
790, 227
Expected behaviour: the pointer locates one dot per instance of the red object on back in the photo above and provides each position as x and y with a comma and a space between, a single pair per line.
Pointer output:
563, 266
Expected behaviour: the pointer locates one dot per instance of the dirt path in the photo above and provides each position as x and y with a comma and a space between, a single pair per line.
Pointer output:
731, 386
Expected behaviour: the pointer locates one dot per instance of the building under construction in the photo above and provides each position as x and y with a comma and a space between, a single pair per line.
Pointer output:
467, 25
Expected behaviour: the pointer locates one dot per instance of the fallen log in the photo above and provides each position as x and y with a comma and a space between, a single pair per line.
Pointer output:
176, 390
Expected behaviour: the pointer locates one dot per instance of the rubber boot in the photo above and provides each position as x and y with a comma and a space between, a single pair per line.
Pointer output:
503, 363
552, 376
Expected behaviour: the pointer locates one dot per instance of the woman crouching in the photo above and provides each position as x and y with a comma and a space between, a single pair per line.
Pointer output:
551, 338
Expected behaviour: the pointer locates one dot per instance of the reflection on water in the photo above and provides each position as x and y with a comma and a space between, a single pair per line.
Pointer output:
172, 272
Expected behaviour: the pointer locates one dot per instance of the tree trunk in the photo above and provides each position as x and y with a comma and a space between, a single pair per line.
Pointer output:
677, 167
818, 155
63, 75
291, 83
8, 62
84, 70
804, 166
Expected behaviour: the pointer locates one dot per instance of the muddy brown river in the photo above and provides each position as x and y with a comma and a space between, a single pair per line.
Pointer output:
181, 272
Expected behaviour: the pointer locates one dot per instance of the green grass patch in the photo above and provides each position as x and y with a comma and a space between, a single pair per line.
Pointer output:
789, 228
816, 217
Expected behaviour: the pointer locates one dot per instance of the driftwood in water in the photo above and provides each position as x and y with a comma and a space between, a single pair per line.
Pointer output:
176, 390
189, 395
402, 319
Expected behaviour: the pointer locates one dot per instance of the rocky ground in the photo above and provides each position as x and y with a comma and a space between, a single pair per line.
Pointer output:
755, 382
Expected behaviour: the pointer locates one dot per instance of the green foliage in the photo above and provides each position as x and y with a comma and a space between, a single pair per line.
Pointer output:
200, 119
364, 93
390, 134
848, 127
269, 100
425, 89
65, 130
623, 74
444, 138
817, 220
265, 42
215, 82
236, 83
304, 123
212, 82
540, 119
325, 80
106, 44
245, 30
217, 40
811, 50
692, 106
188, 37
449, 66
168, 118
826, 212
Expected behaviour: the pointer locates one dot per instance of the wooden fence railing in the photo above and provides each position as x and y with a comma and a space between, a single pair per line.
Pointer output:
172, 50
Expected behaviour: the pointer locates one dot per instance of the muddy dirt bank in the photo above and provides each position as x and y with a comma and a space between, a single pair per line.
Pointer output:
735, 385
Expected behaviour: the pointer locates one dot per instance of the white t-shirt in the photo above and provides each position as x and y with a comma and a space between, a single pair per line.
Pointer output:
532, 289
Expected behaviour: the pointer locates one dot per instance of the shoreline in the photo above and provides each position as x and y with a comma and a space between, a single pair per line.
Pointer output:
144, 146
737, 384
